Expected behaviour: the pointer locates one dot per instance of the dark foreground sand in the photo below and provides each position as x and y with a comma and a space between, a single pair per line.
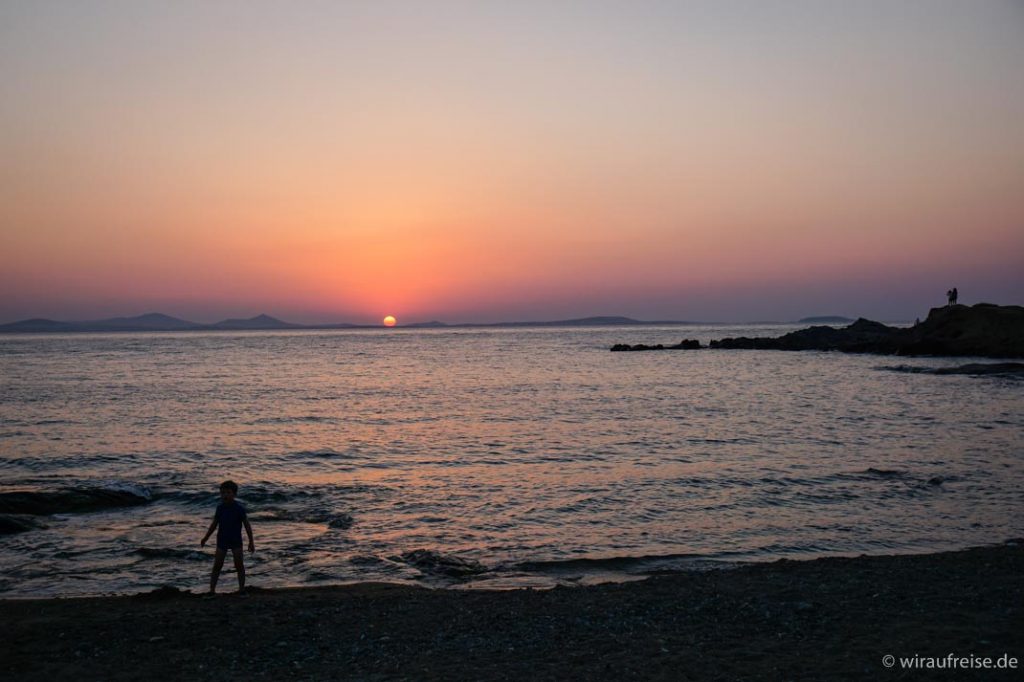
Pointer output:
827, 619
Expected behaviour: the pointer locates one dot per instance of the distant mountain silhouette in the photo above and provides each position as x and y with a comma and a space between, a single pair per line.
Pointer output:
826, 319
141, 323
606, 321
38, 324
258, 322
159, 322
433, 324
147, 322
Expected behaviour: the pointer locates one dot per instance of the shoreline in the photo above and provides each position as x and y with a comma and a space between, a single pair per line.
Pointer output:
828, 618
564, 574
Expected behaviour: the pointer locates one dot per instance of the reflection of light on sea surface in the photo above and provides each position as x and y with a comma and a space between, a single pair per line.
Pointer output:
507, 447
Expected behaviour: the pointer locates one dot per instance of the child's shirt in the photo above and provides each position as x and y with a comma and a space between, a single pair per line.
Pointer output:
229, 524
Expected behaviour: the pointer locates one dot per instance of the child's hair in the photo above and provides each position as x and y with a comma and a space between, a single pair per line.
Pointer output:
229, 485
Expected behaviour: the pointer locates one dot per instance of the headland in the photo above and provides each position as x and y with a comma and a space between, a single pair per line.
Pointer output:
981, 330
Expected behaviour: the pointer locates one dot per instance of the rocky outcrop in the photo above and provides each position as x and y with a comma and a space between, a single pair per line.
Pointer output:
685, 344
863, 336
983, 330
436, 563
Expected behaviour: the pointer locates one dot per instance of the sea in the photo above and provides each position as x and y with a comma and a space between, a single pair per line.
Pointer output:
485, 457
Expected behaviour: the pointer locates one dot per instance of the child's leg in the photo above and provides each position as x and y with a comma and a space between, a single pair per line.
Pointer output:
236, 552
218, 563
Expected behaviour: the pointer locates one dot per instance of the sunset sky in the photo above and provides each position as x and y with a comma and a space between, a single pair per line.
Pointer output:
481, 161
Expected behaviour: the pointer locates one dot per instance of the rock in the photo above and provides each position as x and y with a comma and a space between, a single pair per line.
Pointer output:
983, 330
685, 344
639, 346
430, 561
162, 593
860, 337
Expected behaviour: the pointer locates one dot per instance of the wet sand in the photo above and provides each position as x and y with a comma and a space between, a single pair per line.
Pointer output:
826, 619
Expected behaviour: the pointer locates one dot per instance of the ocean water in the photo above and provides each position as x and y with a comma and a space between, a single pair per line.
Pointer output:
534, 452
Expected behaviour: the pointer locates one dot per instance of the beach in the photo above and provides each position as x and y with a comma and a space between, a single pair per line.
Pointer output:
827, 619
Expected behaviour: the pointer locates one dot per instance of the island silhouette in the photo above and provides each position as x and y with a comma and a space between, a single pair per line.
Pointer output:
161, 322
158, 322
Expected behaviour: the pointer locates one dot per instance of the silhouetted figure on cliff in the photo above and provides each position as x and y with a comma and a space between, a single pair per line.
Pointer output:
955, 294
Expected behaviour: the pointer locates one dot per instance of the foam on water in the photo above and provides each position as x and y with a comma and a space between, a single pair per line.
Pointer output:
487, 457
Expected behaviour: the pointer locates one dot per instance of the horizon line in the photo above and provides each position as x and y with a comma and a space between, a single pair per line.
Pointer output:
255, 323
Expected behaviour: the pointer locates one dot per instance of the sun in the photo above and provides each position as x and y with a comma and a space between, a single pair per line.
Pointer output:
390, 321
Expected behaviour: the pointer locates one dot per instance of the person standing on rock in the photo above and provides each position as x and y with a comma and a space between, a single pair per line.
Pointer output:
954, 294
949, 297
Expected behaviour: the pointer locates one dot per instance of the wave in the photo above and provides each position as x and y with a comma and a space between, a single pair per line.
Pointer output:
72, 500
324, 453
648, 563
18, 523
883, 473
76, 461
307, 418
248, 494
973, 369
171, 553
333, 520
905, 477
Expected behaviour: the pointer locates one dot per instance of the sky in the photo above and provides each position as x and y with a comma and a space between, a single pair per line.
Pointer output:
485, 161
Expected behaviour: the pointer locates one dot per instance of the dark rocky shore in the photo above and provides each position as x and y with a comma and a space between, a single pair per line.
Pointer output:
829, 619
982, 330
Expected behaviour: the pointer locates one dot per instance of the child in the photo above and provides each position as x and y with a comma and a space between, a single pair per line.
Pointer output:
228, 520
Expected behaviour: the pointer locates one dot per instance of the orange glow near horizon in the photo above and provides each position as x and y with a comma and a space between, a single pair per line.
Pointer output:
390, 321
492, 161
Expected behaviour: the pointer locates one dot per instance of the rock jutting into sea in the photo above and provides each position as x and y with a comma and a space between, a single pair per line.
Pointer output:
436, 563
983, 330
685, 344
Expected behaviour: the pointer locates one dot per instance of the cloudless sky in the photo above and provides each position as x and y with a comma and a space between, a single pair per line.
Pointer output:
483, 161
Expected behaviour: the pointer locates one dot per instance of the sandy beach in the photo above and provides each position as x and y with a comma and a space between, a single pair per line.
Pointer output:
826, 619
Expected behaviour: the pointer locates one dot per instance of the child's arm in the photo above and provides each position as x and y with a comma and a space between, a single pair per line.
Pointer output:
213, 527
248, 531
